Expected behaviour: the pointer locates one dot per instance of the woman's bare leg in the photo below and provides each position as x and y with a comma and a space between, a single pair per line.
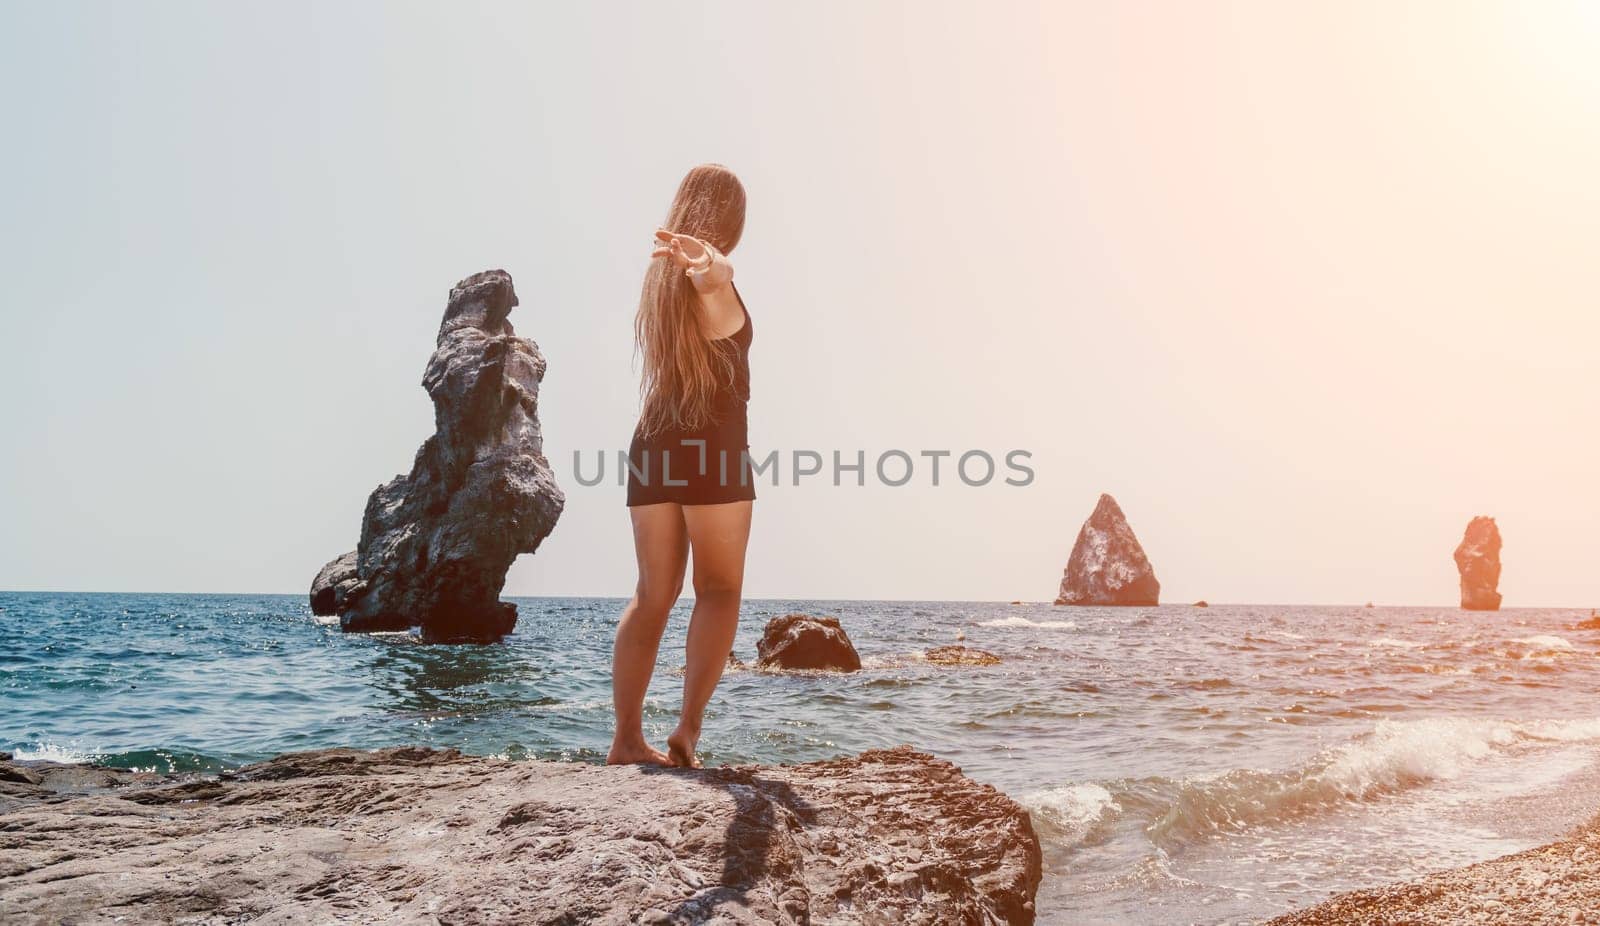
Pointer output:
718, 535
661, 544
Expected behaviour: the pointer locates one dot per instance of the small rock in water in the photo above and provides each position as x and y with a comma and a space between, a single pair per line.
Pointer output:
1202, 603
1107, 565
1478, 560
333, 583
961, 656
800, 641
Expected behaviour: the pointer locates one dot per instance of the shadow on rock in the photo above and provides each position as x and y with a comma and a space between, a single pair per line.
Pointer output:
755, 845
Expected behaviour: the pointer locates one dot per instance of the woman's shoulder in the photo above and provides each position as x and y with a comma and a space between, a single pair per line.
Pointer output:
742, 307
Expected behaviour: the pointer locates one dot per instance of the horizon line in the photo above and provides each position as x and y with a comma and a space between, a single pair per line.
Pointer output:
687, 597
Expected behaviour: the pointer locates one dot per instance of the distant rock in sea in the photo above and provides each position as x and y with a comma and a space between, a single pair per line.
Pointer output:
1107, 566
800, 641
1202, 603
436, 544
1478, 561
961, 656
413, 835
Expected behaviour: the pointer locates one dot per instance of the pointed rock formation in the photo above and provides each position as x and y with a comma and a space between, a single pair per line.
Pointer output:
436, 544
1478, 561
1107, 566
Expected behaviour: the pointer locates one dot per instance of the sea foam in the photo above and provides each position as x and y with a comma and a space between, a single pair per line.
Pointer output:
1396, 755
51, 752
1546, 643
1024, 622
1392, 643
1072, 811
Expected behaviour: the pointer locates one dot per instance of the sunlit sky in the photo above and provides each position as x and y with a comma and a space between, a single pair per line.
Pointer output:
1305, 286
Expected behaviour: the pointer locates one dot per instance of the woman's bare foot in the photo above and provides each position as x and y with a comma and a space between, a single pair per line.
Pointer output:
640, 753
680, 747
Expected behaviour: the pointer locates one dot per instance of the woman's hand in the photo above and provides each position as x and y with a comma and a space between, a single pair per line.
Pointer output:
686, 251
706, 267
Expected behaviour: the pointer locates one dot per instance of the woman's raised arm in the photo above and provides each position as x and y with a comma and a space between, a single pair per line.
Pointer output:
711, 273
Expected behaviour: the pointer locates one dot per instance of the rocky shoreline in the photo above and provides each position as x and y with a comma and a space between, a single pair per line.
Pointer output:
1556, 883
414, 835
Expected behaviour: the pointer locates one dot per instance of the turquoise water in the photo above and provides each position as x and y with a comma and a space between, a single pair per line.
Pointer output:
1182, 765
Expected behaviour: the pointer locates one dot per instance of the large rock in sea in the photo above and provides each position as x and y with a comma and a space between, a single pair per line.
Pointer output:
800, 641
411, 835
436, 543
1478, 561
1107, 566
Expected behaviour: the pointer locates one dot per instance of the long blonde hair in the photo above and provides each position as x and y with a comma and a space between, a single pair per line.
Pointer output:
682, 369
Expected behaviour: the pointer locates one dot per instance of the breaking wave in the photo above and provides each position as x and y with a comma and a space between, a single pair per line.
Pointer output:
165, 761
52, 752
1068, 814
1545, 644
1395, 756
1024, 622
1391, 643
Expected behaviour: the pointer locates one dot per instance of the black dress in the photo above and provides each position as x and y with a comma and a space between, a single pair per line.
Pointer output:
709, 465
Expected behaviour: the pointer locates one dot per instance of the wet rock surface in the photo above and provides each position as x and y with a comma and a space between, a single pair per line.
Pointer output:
1478, 561
1107, 565
960, 656
412, 835
436, 543
800, 641
1557, 883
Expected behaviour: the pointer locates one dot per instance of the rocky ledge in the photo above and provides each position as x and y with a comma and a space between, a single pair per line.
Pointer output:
411, 835
1558, 883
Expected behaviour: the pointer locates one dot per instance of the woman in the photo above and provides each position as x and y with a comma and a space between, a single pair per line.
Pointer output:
690, 485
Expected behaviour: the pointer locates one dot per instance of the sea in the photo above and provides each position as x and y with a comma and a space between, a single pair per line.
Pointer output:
1181, 764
